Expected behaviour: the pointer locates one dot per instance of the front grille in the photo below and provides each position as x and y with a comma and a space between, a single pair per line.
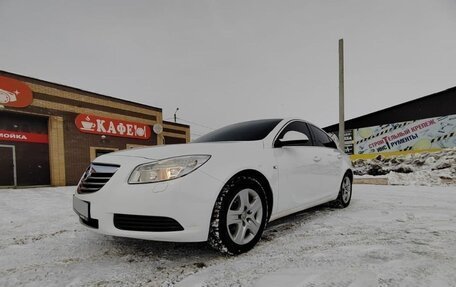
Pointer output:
146, 223
96, 176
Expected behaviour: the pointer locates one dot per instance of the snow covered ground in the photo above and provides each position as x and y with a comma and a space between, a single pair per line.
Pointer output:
388, 236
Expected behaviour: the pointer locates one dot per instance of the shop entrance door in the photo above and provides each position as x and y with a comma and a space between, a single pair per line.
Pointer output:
8, 166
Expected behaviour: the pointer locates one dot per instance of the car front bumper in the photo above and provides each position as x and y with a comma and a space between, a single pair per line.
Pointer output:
188, 200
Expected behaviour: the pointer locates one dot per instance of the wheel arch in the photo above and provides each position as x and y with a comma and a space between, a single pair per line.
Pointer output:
264, 183
349, 172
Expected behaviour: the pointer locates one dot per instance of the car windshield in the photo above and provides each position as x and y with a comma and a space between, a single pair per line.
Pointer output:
245, 131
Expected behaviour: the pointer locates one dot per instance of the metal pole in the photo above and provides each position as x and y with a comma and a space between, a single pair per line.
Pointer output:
175, 115
341, 96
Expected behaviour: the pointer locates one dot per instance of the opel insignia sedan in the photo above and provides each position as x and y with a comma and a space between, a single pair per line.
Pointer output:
222, 188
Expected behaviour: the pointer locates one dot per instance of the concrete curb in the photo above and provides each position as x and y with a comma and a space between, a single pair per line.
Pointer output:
376, 181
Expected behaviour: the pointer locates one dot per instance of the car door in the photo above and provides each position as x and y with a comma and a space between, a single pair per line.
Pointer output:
330, 162
298, 182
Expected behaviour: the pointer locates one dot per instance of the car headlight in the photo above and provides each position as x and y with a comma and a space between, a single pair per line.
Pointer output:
167, 169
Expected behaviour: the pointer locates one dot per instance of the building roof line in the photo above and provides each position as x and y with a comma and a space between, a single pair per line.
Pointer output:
77, 90
418, 103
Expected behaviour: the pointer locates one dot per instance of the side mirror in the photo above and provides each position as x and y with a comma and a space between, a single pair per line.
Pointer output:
292, 138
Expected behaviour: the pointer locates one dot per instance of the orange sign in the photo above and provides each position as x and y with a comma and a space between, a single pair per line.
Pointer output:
105, 126
14, 93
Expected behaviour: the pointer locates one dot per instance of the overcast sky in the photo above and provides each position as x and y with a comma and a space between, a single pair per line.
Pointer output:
227, 61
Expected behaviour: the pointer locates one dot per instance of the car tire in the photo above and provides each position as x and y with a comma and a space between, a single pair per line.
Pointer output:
345, 193
239, 216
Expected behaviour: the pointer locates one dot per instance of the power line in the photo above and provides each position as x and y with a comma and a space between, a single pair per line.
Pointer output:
191, 122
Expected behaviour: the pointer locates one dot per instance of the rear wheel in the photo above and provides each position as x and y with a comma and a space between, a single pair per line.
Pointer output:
239, 216
345, 193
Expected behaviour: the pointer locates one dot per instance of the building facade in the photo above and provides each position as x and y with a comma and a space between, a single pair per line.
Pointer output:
49, 133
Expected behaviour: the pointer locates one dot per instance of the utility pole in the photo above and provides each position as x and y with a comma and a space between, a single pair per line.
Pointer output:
341, 96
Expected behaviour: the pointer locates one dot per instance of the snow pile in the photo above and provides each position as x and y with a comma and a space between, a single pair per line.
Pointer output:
437, 168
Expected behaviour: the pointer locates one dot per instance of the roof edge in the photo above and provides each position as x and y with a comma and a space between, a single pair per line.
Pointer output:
176, 124
3, 72
336, 126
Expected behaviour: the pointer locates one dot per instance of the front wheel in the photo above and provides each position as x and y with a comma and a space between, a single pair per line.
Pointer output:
239, 216
345, 193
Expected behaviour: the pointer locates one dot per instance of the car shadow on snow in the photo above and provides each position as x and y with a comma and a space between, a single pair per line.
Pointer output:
146, 248
288, 224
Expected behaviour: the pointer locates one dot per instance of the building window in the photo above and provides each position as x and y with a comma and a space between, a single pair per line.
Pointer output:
99, 151
174, 140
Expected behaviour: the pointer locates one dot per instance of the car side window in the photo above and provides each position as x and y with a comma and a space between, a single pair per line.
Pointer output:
299, 127
321, 138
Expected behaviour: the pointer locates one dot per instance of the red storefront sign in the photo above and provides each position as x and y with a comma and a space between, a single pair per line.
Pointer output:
15, 136
105, 126
14, 93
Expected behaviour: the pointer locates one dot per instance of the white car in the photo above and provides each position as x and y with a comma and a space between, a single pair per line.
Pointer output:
222, 188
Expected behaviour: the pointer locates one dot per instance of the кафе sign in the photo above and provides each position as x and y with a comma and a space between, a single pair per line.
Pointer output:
111, 127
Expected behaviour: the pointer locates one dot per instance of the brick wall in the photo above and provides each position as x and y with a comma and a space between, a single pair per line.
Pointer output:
69, 149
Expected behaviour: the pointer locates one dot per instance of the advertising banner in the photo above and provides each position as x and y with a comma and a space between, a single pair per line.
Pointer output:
111, 127
430, 133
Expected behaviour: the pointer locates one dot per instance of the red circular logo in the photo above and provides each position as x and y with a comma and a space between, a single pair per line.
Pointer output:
14, 93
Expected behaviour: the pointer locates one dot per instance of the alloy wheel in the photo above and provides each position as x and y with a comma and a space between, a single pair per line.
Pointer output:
244, 217
346, 189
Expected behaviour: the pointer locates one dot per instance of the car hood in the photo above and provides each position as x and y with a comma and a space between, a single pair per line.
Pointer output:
167, 151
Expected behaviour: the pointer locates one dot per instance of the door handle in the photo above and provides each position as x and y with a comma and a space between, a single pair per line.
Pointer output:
317, 158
